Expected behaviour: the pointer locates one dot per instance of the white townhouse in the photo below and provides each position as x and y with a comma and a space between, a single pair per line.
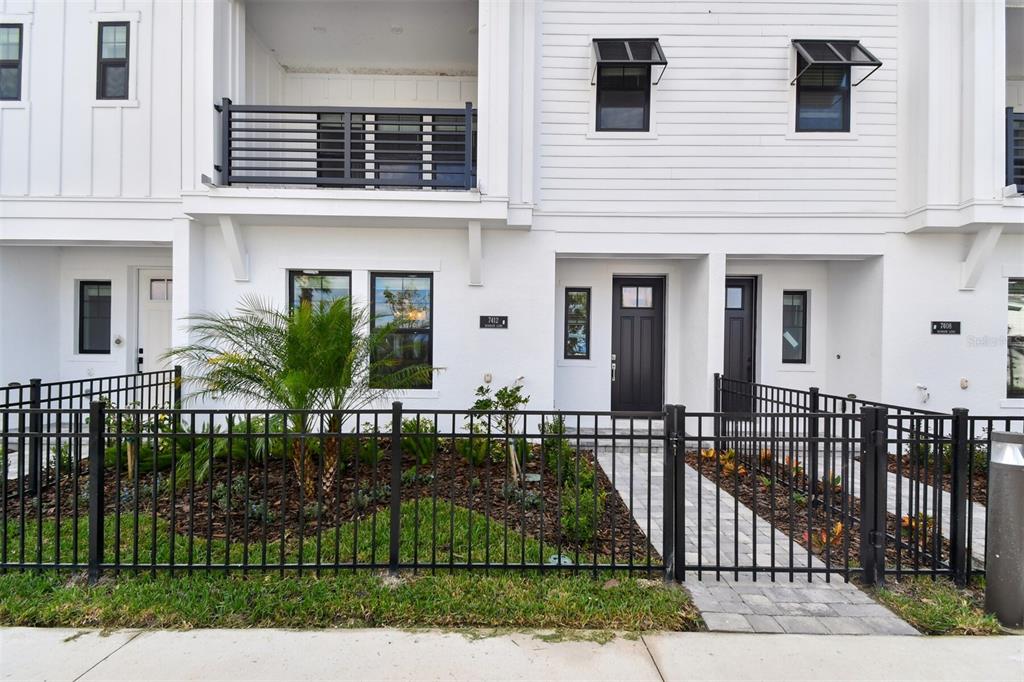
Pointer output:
613, 199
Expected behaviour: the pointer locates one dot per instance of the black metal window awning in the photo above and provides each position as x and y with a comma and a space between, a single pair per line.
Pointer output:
629, 52
835, 53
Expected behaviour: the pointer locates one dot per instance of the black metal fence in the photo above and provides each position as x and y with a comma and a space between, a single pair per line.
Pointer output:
677, 493
413, 148
44, 404
192, 490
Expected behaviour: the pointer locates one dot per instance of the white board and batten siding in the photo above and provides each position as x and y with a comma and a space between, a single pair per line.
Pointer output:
722, 116
60, 141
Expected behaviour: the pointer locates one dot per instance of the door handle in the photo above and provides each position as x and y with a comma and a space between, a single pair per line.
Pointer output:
613, 368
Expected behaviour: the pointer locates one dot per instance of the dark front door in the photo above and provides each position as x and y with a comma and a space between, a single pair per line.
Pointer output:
638, 343
739, 341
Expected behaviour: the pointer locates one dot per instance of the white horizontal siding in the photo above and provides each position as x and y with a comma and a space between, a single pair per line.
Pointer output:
722, 112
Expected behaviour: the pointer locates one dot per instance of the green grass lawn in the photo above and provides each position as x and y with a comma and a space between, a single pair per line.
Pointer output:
939, 607
347, 599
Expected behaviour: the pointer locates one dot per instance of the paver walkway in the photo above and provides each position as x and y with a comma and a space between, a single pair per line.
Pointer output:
741, 603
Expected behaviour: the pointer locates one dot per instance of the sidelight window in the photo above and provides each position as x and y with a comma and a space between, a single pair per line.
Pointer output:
577, 323
794, 327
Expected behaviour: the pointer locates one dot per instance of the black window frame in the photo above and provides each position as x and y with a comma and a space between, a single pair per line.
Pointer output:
82, 284
429, 329
846, 91
102, 61
566, 355
803, 294
15, 63
1012, 343
647, 99
292, 273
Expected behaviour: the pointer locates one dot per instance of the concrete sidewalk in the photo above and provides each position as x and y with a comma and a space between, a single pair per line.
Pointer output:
64, 654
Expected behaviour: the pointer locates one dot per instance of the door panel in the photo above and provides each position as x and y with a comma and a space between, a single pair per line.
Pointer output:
638, 343
740, 307
154, 320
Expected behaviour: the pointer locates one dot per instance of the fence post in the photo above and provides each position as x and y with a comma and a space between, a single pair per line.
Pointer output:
225, 141
679, 496
717, 420
35, 438
959, 509
176, 400
97, 411
668, 492
873, 478
396, 485
812, 438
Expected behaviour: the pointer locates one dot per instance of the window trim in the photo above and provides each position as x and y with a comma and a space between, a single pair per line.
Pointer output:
847, 104
647, 106
291, 272
101, 60
19, 62
804, 295
82, 283
418, 330
1018, 399
565, 326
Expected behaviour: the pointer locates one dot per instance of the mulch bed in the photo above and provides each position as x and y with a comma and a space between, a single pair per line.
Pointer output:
977, 486
814, 527
360, 491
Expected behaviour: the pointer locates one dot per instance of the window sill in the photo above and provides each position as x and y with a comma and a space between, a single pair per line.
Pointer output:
115, 104
1012, 404
418, 394
799, 369
14, 104
821, 136
575, 363
648, 135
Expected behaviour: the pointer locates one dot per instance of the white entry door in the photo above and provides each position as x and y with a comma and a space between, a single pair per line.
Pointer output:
154, 333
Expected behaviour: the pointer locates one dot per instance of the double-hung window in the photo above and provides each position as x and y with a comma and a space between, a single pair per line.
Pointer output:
10, 61
112, 60
94, 317
405, 301
794, 327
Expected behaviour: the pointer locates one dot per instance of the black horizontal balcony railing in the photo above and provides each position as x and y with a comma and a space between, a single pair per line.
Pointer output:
400, 148
1014, 148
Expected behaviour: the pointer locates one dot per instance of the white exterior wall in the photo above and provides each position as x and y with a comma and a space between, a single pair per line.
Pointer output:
518, 268
29, 301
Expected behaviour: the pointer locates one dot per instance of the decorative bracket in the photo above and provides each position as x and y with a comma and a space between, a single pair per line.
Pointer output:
982, 246
239, 257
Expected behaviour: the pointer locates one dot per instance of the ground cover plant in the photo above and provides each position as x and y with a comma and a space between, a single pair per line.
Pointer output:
939, 607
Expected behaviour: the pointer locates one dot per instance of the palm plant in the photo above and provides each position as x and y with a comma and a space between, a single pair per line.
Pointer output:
316, 357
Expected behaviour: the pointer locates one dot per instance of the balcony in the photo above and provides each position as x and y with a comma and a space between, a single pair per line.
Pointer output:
1015, 148
353, 147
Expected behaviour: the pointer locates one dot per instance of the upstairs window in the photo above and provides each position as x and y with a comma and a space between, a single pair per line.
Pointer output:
112, 61
10, 62
823, 99
823, 83
623, 79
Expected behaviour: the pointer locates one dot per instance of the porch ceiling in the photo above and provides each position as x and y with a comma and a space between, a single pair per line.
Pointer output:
378, 36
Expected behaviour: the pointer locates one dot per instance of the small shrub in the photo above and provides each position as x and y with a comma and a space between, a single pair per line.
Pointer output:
559, 455
474, 485
581, 511
421, 439
526, 499
237, 494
